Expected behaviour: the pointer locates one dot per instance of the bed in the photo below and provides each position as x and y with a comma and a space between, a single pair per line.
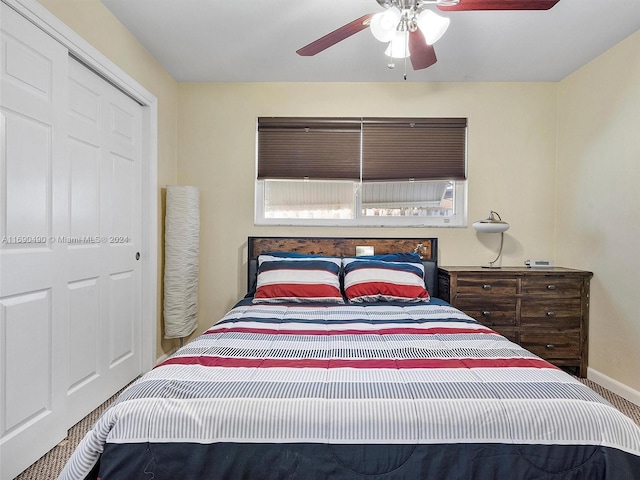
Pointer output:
336, 366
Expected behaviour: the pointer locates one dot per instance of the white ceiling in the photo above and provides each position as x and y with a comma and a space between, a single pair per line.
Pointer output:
240, 41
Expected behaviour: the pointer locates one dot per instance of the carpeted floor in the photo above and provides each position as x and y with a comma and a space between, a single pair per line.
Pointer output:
49, 466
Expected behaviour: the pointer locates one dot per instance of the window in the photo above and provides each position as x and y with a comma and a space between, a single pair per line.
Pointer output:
361, 171
308, 199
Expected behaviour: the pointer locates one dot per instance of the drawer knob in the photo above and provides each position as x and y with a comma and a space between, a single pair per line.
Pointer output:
549, 346
486, 313
551, 314
551, 287
486, 286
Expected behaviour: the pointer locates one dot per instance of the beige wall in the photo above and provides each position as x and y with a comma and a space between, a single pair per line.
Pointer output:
95, 24
598, 206
588, 122
512, 150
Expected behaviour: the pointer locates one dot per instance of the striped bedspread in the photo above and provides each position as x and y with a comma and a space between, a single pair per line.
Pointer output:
382, 391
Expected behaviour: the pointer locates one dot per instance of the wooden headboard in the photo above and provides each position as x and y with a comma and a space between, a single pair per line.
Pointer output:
427, 248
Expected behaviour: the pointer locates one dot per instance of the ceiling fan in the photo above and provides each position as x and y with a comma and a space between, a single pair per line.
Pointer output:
411, 28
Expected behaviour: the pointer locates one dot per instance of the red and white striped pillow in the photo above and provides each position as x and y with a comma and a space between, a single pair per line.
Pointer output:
370, 280
283, 279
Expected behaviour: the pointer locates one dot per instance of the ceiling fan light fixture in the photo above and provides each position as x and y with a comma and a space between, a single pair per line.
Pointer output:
398, 46
432, 25
384, 24
420, 25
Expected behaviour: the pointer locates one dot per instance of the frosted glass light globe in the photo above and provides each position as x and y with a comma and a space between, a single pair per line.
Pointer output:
399, 46
432, 26
383, 24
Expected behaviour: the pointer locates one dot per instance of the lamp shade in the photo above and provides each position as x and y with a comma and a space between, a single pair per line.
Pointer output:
181, 247
383, 24
399, 46
432, 26
492, 224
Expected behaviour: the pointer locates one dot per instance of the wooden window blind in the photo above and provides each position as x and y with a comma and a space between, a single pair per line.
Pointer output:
414, 148
314, 148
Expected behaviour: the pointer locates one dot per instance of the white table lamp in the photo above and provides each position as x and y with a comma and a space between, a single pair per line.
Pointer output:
492, 224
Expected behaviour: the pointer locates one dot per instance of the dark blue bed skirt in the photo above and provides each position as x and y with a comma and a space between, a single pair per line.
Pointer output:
233, 461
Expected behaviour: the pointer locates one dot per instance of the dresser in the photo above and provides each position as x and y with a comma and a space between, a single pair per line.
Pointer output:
546, 310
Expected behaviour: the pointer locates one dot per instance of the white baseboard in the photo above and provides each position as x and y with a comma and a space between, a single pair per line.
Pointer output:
163, 357
615, 386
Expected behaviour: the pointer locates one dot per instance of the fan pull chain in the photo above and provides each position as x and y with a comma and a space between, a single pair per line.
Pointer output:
406, 34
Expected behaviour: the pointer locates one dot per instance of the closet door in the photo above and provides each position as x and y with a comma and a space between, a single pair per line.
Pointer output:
33, 212
104, 281
70, 233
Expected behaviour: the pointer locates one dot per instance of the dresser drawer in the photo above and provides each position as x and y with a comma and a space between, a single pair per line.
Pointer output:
552, 345
490, 313
560, 313
470, 285
552, 285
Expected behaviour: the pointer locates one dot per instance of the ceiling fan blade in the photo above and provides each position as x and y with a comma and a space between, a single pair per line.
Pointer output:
336, 36
422, 54
500, 5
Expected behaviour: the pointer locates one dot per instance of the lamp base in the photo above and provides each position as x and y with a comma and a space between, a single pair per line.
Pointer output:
492, 266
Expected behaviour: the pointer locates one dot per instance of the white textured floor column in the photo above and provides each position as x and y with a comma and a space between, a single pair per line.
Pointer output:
181, 255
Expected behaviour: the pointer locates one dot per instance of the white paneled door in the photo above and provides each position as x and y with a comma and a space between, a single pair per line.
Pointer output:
103, 274
70, 233
33, 309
